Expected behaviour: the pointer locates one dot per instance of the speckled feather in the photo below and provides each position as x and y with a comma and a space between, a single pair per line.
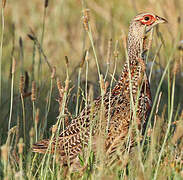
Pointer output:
116, 105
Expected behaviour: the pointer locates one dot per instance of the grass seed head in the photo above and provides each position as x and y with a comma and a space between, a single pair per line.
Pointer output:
54, 128
4, 152
31, 37
61, 93
83, 59
31, 133
46, 3
26, 86
37, 116
21, 42
33, 96
67, 60
175, 68
20, 146
3, 3
86, 13
60, 88
109, 49
149, 132
21, 84
86, 19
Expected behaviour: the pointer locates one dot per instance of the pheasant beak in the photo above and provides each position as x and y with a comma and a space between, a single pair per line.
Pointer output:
160, 20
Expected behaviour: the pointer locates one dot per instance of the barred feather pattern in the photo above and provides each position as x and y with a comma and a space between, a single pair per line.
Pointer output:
132, 86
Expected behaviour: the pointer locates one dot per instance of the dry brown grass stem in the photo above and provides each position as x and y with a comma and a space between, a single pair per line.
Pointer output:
33, 95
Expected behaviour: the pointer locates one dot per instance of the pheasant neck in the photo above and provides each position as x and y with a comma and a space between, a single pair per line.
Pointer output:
135, 42
135, 49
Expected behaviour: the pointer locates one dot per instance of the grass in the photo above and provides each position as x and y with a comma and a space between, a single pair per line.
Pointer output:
65, 64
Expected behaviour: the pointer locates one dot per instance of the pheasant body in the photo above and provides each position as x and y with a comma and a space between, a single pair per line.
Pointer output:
112, 114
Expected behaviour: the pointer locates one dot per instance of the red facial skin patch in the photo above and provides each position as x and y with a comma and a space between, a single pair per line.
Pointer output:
148, 22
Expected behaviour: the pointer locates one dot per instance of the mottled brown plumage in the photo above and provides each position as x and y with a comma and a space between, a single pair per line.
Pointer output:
110, 116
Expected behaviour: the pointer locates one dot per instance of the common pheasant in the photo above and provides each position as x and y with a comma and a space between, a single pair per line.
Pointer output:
130, 100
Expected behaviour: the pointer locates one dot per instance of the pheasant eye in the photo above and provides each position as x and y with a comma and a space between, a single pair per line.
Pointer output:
146, 18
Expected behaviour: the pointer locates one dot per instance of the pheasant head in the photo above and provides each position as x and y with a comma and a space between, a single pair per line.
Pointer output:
139, 27
148, 20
